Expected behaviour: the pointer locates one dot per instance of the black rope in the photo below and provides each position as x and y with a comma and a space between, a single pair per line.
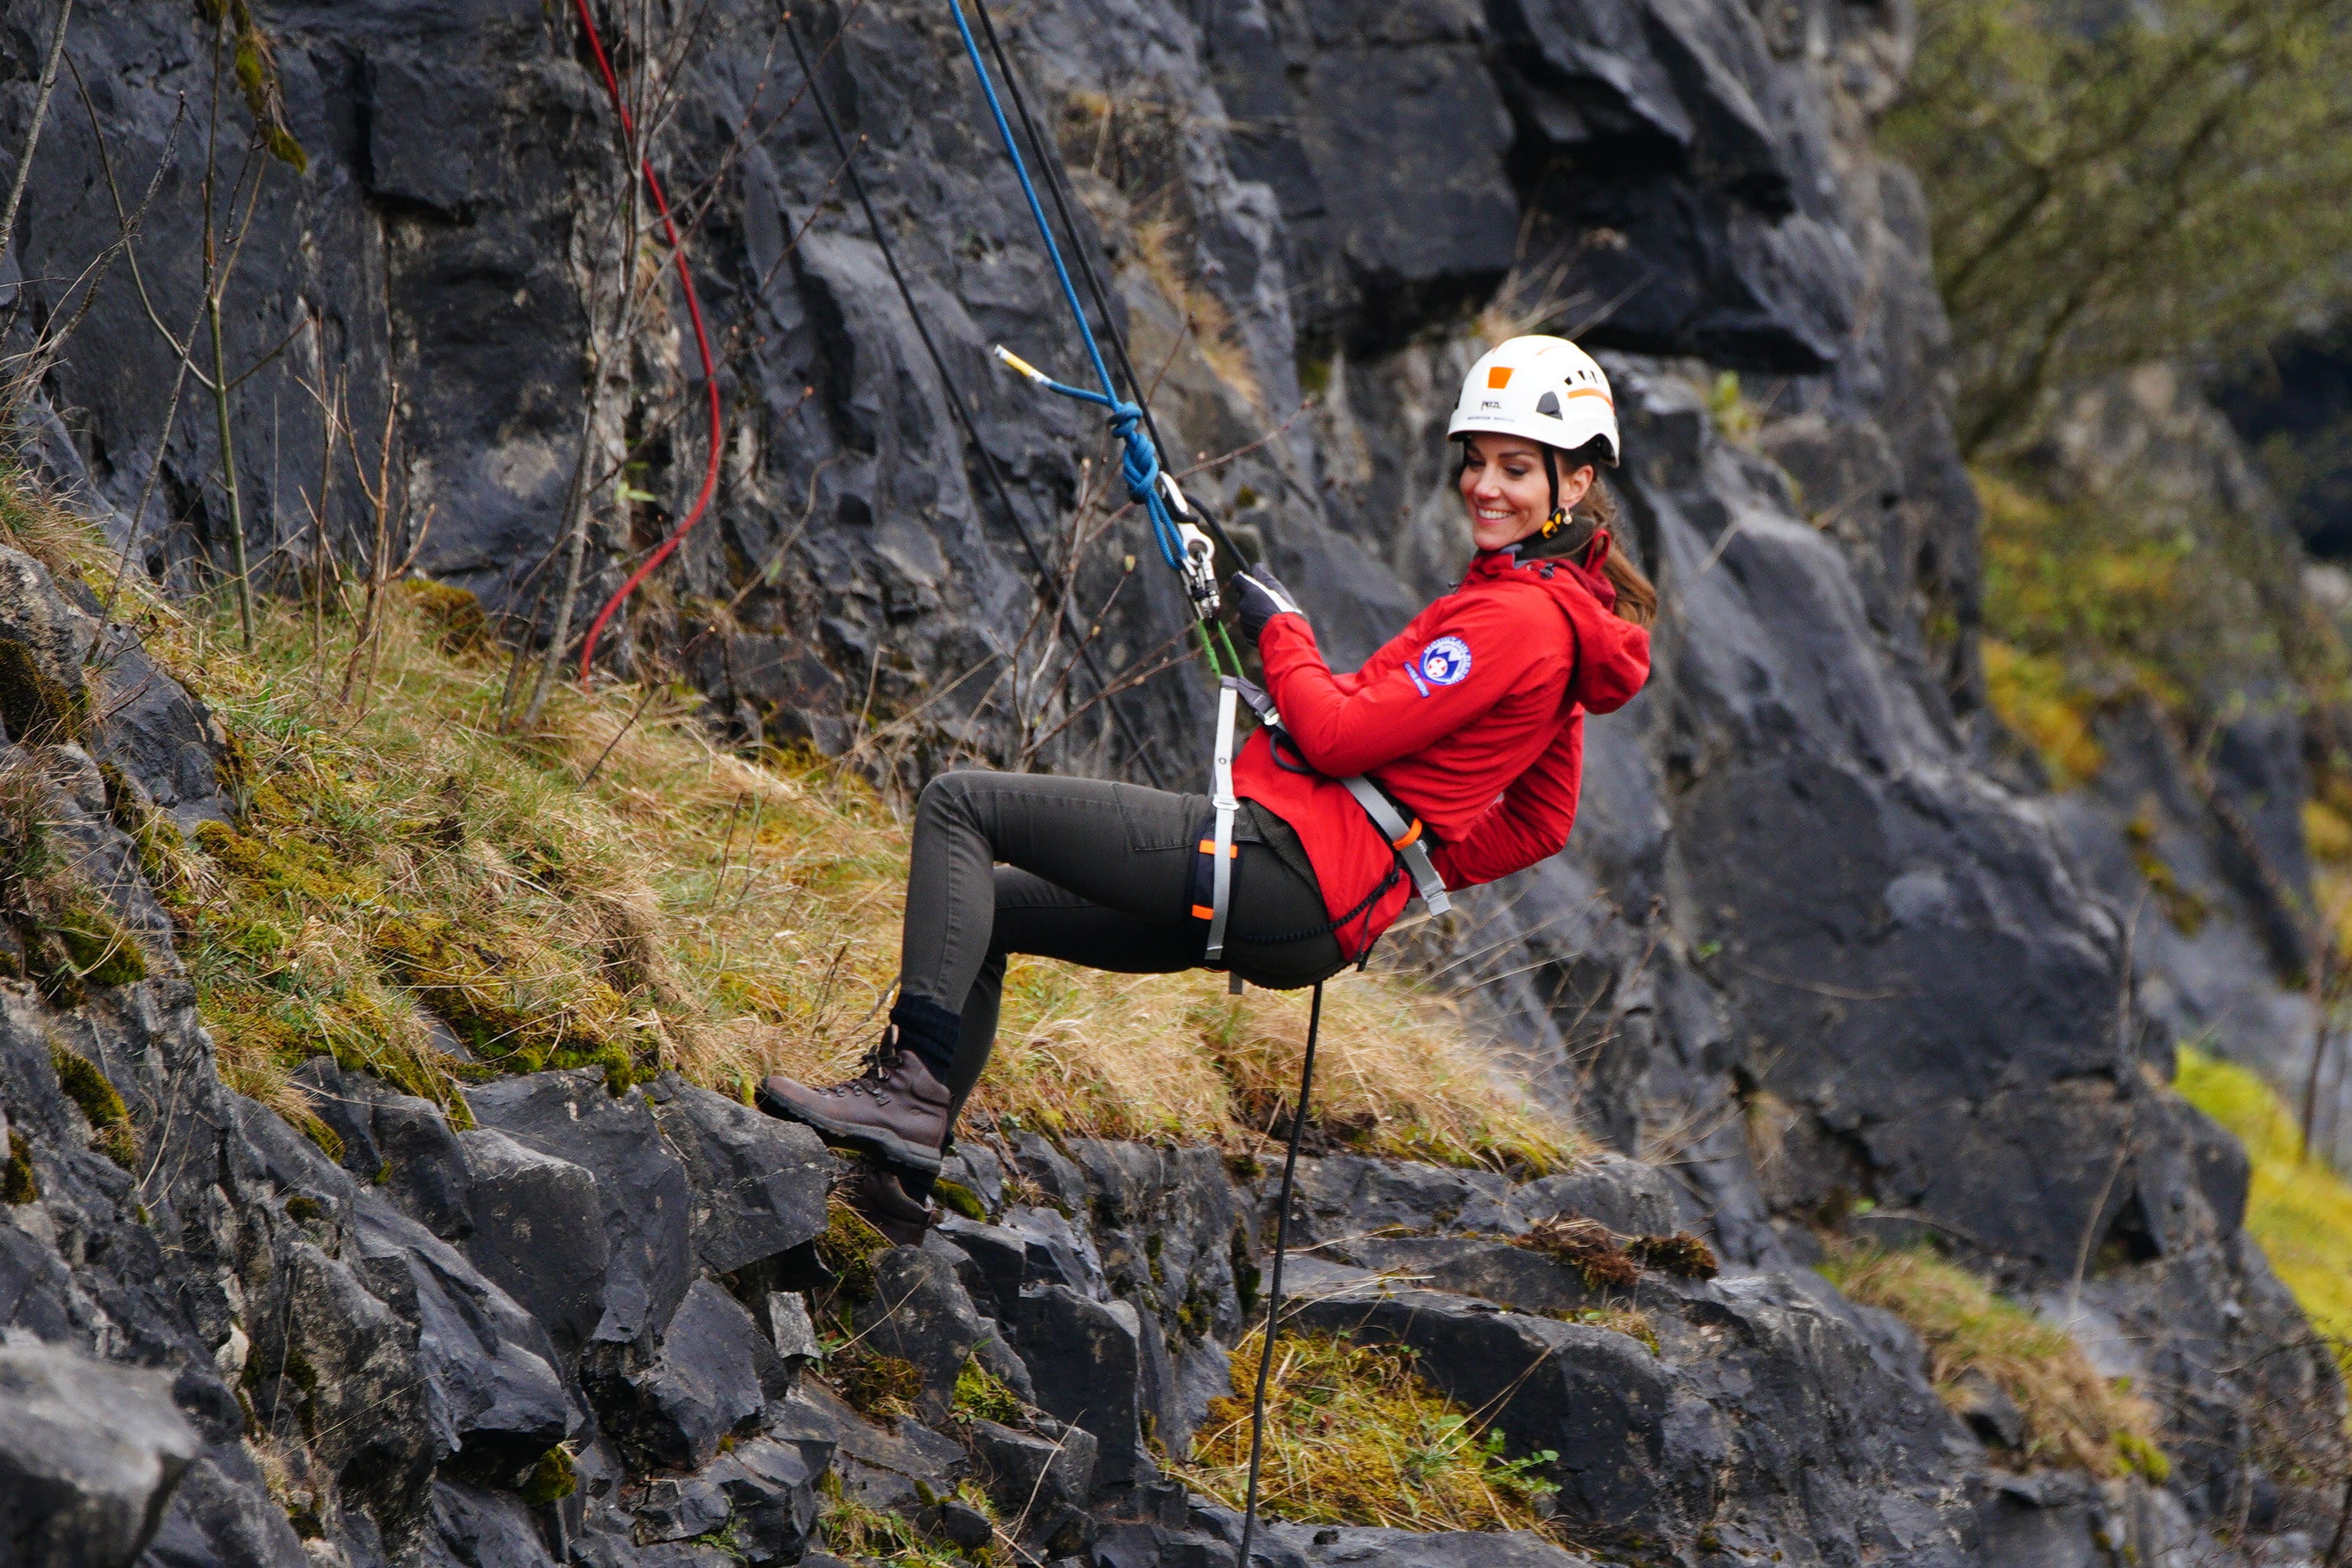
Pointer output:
963, 414
1049, 158
1273, 1295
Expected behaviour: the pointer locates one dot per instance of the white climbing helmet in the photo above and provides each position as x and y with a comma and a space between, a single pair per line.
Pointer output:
1545, 389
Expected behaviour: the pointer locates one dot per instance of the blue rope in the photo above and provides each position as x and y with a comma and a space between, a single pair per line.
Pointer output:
1139, 463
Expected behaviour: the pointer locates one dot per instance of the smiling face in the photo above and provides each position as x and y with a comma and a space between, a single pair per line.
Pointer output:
1505, 490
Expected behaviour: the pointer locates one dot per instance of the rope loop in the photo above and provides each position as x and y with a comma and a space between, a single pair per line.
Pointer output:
1138, 465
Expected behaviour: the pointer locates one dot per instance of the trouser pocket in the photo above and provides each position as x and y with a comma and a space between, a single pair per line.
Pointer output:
1159, 818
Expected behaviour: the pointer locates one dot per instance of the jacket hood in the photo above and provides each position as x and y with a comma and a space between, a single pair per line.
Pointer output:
1612, 654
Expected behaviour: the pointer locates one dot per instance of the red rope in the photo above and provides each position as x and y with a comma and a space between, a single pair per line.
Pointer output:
701, 341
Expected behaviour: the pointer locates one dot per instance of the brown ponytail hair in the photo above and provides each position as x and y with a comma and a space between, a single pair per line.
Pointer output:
1637, 596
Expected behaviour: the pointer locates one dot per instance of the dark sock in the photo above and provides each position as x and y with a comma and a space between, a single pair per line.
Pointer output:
929, 1031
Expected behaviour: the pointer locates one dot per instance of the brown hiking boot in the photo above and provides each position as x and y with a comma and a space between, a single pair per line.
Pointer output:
874, 1194
895, 1108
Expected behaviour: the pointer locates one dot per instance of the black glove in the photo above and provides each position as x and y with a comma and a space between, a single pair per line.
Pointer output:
1260, 597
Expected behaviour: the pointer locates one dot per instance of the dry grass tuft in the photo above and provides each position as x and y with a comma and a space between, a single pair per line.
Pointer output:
1157, 245
1584, 1244
2072, 1415
1605, 1257
615, 890
1354, 1436
1683, 1255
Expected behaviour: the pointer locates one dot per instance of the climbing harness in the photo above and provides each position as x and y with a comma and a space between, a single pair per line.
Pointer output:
701, 342
1183, 546
1189, 549
1273, 1292
1408, 838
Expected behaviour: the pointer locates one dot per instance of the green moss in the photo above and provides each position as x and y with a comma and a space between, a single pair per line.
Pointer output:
2073, 1417
2298, 1210
1354, 1436
18, 1183
2039, 701
963, 1200
876, 1385
288, 867
2139, 1454
2180, 903
455, 614
1630, 1322
552, 1478
981, 1395
38, 710
255, 64
471, 985
848, 1247
101, 950
855, 1529
109, 1118
302, 1208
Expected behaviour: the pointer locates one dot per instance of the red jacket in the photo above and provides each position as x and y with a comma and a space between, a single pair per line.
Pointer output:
1473, 717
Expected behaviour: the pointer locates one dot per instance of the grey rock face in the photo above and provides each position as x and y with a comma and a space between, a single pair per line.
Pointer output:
921, 1315
1362, 1548
1086, 1360
397, 1142
1802, 951
706, 1383
539, 1232
759, 1183
89, 1456
646, 1201
1031, 1476
495, 1399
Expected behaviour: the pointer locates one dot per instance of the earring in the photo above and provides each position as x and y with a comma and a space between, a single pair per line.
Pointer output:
1552, 523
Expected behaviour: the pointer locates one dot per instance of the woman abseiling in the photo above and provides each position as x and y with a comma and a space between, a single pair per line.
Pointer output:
1471, 721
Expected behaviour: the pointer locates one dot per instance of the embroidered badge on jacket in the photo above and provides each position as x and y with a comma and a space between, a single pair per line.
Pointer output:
1444, 662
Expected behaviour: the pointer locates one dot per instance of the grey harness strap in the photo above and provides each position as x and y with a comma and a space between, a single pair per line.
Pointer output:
1403, 838
1222, 797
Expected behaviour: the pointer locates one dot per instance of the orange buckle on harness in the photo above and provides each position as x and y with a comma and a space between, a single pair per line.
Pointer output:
1209, 848
1411, 837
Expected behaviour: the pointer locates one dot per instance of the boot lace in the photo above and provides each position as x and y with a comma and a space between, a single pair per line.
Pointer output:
875, 1068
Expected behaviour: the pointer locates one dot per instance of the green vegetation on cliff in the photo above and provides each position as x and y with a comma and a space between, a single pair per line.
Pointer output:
2115, 184
2298, 1210
1355, 1436
2069, 1416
